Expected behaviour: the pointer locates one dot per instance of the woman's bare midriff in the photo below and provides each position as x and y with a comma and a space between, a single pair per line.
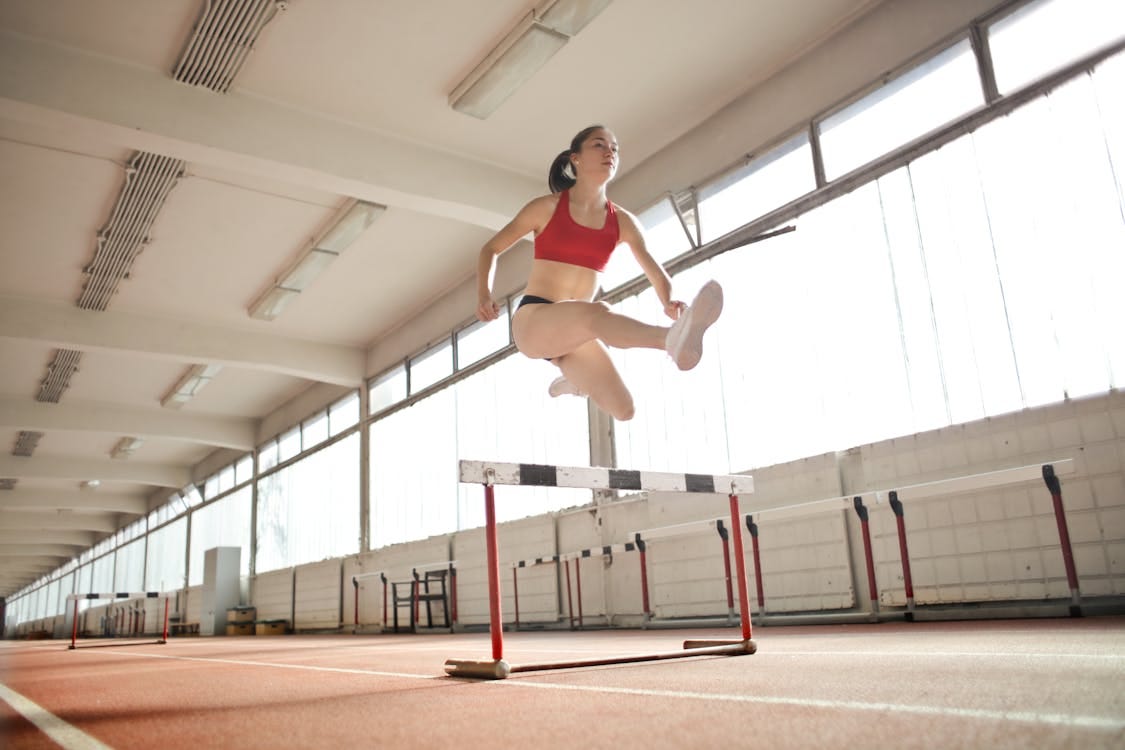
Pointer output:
558, 282
561, 281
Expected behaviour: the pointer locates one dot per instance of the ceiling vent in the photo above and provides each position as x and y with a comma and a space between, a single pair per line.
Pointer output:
7, 484
26, 442
59, 372
222, 39
148, 180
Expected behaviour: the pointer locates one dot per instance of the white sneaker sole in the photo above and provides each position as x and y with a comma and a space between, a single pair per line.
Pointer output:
560, 386
704, 311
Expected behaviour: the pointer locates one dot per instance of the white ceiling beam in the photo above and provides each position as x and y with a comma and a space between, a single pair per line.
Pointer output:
72, 538
107, 470
9, 551
36, 566
66, 326
80, 416
100, 523
62, 88
84, 500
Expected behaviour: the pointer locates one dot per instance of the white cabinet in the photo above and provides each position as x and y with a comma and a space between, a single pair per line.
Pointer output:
220, 590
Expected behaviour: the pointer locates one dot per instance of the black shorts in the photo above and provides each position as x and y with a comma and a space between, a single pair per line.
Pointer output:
531, 299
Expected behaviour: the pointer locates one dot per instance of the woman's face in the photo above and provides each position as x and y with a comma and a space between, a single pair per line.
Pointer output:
598, 158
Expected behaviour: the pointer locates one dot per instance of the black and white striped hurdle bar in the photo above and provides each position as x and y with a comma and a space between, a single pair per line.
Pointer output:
598, 478
608, 549
123, 595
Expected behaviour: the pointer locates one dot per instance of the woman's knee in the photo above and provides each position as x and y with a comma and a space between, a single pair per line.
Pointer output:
622, 408
625, 412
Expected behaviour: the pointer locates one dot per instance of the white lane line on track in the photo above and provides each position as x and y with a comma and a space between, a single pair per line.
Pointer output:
66, 735
1063, 720
889, 654
311, 668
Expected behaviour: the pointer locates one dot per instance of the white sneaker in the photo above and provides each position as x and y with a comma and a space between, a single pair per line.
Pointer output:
685, 339
560, 386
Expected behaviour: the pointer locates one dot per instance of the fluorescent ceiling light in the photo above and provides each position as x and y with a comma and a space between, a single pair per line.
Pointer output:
346, 226
506, 69
351, 224
193, 381
306, 269
571, 16
272, 303
125, 447
534, 40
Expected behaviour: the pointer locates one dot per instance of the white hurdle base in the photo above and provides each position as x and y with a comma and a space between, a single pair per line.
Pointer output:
500, 669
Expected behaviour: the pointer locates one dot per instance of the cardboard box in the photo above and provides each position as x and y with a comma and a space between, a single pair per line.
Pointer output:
240, 628
242, 614
271, 627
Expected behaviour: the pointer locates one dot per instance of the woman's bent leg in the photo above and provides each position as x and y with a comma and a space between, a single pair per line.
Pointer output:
592, 372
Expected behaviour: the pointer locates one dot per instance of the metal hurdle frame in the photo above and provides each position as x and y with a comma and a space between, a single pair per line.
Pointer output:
606, 550
1048, 471
166, 596
490, 474
642, 538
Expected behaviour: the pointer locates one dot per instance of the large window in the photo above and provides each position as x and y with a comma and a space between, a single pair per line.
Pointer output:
129, 572
974, 281
500, 414
1044, 36
167, 548
309, 510
756, 188
223, 523
937, 91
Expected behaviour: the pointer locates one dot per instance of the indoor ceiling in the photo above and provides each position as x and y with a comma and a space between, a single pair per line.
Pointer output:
338, 100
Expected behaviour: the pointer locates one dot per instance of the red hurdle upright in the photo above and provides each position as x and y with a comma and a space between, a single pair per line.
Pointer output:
491, 474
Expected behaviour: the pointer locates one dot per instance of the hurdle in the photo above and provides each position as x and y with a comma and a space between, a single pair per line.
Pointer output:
642, 538
76, 598
491, 474
355, 588
1048, 472
606, 550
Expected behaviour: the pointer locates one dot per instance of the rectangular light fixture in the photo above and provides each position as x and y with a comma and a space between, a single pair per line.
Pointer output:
349, 225
125, 447
522, 52
193, 381
346, 226
302, 273
570, 16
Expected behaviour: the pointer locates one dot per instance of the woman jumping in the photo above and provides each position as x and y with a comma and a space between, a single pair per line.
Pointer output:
576, 229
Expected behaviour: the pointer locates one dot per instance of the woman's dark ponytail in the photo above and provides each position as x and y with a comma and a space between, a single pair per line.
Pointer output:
561, 175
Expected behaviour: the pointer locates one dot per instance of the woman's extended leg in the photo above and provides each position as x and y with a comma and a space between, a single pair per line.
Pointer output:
550, 331
591, 370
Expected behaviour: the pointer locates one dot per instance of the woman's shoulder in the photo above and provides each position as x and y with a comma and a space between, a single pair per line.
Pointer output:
542, 207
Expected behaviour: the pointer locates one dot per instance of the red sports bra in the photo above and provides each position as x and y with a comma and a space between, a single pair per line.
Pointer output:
566, 241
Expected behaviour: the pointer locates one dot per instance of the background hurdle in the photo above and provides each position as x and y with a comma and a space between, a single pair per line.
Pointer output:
894, 500
682, 529
1048, 472
491, 474
116, 596
578, 555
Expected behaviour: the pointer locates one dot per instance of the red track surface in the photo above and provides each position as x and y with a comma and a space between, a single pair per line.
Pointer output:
1016, 684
